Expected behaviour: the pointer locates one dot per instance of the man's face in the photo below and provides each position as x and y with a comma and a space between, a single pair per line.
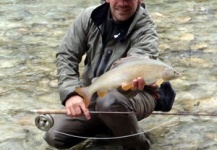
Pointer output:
122, 10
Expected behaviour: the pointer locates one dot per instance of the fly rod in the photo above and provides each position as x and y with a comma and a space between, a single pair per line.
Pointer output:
63, 111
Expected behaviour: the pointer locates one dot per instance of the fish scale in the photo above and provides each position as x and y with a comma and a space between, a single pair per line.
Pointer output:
124, 72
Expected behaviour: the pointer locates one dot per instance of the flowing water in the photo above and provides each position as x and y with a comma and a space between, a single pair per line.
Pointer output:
30, 32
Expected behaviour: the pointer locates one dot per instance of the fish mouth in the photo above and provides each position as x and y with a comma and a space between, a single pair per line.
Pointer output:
177, 74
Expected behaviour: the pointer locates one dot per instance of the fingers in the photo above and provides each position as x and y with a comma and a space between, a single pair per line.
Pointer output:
154, 85
141, 83
75, 107
78, 110
85, 111
73, 111
138, 83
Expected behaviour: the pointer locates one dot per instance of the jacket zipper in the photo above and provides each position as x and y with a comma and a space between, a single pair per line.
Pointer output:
107, 57
105, 63
99, 60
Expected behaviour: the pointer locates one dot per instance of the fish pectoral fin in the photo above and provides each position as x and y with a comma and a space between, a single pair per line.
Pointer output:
126, 86
159, 81
101, 93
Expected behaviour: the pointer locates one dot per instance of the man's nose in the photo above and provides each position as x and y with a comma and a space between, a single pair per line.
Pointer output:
124, 2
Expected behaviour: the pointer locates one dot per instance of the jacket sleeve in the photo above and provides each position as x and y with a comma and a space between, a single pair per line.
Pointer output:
69, 56
145, 41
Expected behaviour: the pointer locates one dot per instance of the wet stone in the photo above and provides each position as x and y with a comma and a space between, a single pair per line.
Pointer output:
30, 34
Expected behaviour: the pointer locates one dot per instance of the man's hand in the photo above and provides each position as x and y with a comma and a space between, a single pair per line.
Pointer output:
75, 107
139, 84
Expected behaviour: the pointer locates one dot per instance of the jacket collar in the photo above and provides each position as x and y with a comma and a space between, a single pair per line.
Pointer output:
99, 14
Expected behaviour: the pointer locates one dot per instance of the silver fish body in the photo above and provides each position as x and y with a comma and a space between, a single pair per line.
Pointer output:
124, 72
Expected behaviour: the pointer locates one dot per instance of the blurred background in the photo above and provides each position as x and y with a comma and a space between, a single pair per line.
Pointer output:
30, 33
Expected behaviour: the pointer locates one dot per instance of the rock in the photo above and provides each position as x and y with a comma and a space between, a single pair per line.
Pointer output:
200, 46
186, 37
184, 19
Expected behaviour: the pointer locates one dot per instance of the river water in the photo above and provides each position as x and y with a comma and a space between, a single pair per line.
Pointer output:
30, 32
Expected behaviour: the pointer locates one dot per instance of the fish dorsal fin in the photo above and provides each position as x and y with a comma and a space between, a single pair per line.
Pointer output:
127, 59
126, 86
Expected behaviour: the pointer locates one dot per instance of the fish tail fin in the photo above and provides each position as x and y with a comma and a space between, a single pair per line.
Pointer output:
83, 91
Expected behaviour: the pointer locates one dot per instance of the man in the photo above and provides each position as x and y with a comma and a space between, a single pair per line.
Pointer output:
106, 33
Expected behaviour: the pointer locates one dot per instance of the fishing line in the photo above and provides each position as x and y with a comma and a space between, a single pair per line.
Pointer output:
111, 138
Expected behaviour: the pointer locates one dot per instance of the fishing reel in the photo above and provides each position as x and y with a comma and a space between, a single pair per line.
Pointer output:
44, 122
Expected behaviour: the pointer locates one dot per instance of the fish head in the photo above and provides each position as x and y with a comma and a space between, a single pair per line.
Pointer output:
170, 74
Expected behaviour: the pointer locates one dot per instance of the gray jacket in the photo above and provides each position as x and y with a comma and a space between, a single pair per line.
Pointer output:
85, 37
